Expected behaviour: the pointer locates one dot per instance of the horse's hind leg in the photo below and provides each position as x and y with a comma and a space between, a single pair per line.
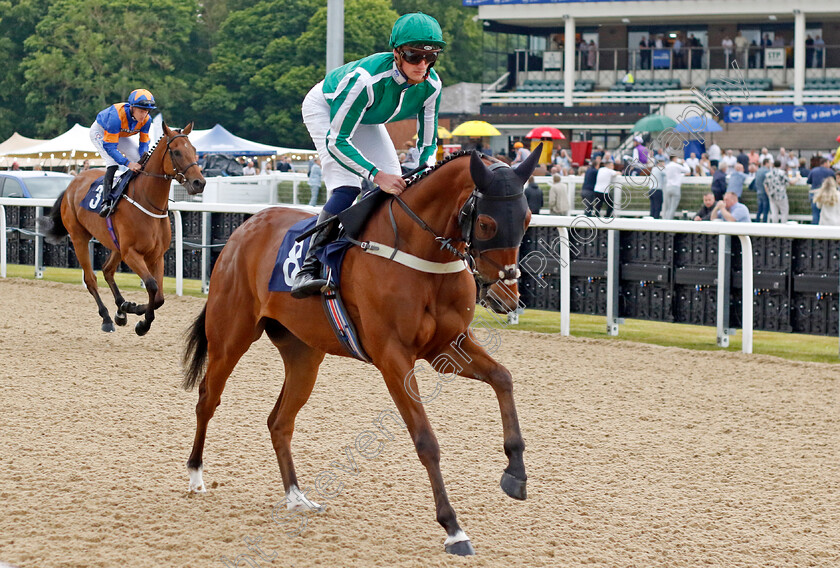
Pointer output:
108, 271
80, 244
227, 341
301, 369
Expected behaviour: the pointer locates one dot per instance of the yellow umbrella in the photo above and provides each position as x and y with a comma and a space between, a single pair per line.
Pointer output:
476, 128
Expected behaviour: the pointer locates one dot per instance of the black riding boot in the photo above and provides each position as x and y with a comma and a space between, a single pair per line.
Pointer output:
109, 201
308, 280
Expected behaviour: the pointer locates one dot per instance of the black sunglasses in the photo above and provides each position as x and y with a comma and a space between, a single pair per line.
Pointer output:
413, 57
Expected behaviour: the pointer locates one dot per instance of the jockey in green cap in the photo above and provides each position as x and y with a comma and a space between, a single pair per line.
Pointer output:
346, 113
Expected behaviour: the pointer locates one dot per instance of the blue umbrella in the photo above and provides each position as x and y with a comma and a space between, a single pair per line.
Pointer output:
696, 123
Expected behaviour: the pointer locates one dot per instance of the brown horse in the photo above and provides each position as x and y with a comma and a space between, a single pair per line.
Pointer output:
141, 232
402, 314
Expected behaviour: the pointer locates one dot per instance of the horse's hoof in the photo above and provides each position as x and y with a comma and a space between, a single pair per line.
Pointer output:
120, 319
128, 307
513, 487
108, 327
462, 548
141, 329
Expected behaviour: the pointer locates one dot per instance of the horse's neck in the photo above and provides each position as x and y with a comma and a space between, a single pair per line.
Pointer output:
436, 200
154, 189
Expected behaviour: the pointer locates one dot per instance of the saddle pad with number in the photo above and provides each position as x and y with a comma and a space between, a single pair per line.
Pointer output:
291, 254
94, 198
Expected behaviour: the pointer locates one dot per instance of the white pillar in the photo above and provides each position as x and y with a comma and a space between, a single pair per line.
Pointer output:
798, 56
335, 34
569, 61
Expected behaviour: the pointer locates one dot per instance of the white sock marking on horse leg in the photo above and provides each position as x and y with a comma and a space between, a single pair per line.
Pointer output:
459, 536
297, 501
196, 481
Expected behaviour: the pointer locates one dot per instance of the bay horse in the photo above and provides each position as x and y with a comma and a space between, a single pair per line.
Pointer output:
140, 232
402, 314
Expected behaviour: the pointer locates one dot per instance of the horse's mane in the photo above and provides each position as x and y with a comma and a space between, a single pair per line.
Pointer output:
145, 157
424, 173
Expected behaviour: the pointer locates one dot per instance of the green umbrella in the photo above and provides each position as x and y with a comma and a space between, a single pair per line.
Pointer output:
654, 123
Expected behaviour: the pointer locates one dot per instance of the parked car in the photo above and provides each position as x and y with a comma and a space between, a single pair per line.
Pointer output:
37, 185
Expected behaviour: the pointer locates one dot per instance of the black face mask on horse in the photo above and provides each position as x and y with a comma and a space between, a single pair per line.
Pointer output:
495, 216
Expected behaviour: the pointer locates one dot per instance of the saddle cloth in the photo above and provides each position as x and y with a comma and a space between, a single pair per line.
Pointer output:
93, 198
289, 260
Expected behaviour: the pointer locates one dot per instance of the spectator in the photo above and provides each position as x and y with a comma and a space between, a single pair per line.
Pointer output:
598, 152
719, 182
705, 212
804, 171
714, 155
655, 194
819, 50
827, 199
727, 44
644, 53
704, 168
315, 177
85, 165
604, 187
674, 172
765, 155
534, 195
628, 81
592, 54
741, 49
412, 157
521, 153
692, 162
284, 165
558, 197
641, 156
15, 167
249, 169
266, 168
564, 162
775, 185
743, 159
729, 159
763, 199
730, 210
587, 188
815, 179
737, 180
754, 157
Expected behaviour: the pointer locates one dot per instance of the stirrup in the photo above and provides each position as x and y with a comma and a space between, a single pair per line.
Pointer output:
308, 284
107, 209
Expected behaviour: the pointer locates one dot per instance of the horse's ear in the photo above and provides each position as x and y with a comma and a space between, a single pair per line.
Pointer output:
526, 168
187, 129
166, 129
481, 174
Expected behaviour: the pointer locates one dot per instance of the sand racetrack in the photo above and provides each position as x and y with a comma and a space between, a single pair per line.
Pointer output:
637, 455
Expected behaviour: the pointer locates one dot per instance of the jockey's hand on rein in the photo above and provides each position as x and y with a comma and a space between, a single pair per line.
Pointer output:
389, 183
134, 166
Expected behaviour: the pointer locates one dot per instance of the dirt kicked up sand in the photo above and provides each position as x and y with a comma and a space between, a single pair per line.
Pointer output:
637, 455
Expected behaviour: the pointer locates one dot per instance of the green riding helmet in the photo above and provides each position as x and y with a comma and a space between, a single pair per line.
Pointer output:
417, 28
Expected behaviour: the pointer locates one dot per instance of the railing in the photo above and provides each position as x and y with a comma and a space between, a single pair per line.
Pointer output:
563, 223
724, 231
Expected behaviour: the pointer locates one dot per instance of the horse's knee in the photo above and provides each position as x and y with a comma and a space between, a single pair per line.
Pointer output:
427, 448
500, 379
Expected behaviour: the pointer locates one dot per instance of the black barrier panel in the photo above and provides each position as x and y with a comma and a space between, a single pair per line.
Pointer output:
646, 300
695, 304
695, 250
814, 313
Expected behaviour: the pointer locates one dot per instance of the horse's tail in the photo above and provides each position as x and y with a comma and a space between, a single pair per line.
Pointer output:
51, 225
195, 353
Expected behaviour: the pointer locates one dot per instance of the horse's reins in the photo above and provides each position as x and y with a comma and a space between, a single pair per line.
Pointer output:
178, 175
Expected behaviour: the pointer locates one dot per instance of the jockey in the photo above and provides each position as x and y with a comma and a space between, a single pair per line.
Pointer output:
346, 115
109, 132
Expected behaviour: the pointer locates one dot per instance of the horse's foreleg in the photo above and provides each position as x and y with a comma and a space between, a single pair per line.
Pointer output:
80, 244
138, 264
475, 363
301, 369
108, 272
399, 377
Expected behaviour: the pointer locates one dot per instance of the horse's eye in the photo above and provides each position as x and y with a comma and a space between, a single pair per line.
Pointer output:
177, 153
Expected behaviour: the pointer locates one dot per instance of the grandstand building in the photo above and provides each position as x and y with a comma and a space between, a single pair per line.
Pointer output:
770, 68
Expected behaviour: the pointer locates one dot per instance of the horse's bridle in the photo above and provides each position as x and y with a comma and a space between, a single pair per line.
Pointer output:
177, 175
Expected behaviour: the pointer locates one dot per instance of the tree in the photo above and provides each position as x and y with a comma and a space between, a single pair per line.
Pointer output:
271, 54
86, 54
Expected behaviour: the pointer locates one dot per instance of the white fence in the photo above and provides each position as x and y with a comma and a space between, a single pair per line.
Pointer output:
566, 225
